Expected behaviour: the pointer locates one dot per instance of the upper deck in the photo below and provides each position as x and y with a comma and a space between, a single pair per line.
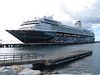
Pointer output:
48, 24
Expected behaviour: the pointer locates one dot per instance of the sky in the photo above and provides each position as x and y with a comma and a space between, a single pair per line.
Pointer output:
14, 12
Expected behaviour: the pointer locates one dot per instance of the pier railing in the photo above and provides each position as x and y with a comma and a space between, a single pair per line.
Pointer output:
20, 57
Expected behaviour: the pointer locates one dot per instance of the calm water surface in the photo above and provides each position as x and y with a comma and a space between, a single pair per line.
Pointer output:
89, 64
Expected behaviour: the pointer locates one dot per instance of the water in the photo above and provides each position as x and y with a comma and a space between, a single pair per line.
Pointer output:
89, 64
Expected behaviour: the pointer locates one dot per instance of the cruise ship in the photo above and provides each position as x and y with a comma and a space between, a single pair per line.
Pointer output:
46, 30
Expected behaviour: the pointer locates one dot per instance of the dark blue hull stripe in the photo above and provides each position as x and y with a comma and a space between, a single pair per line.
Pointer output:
50, 37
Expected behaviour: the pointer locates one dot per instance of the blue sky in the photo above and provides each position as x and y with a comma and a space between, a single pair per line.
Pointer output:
14, 12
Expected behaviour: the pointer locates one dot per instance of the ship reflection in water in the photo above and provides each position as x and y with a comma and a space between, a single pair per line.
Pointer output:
89, 64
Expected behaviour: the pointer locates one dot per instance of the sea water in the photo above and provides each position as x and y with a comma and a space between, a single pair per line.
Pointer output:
88, 65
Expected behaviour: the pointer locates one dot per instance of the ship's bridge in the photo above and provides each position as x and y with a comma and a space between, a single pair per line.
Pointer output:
46, 23
28, 25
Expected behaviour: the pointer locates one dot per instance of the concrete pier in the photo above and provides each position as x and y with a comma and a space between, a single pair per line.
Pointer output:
40, 58
67, 57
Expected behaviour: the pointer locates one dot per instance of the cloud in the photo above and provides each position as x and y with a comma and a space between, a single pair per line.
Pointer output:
14, 12
96, 26
97, 31
67, 11
87, 12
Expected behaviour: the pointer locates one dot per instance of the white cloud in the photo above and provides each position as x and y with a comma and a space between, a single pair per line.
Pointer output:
85, 10
96, 26
97, 39
14, 12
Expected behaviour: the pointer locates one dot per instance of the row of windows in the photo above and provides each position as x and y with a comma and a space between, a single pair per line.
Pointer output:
29, 23
49, 23
70, 35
